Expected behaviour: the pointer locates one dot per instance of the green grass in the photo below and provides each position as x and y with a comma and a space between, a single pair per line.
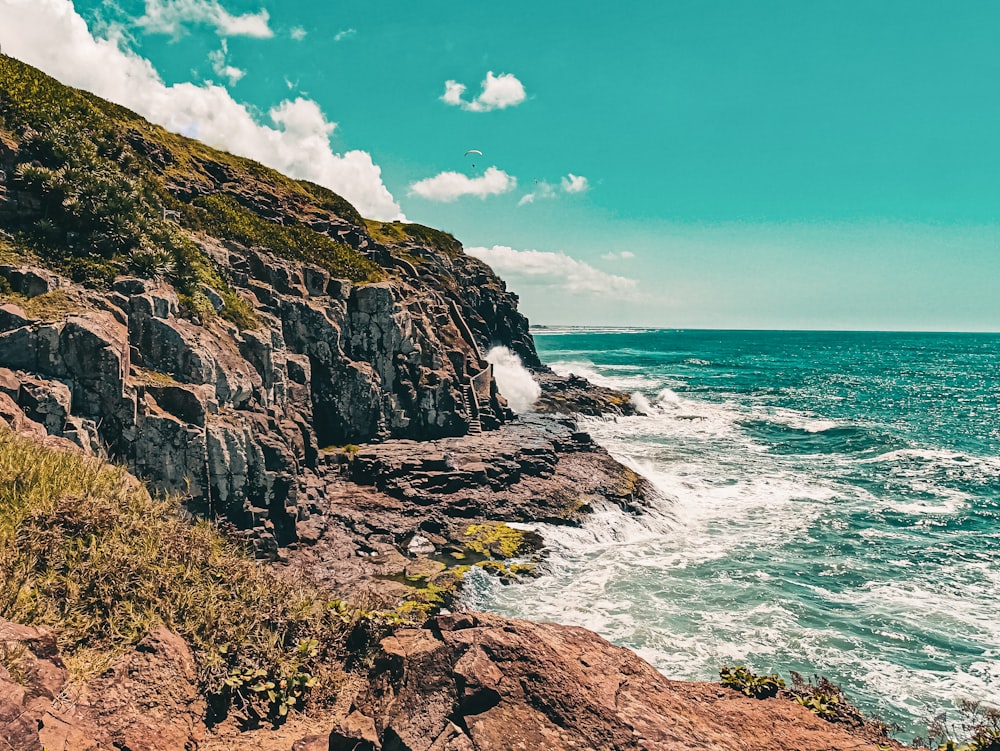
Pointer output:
222, 216
396, 233
105, 180
51, 306
86, 550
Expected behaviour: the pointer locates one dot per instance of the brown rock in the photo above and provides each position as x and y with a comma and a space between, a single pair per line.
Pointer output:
148, 700
503, 684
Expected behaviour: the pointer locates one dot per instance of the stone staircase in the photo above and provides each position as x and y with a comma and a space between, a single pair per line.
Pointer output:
472, 404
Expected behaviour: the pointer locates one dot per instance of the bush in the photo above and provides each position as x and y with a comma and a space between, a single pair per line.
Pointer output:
751, 684
85, 549
979, 723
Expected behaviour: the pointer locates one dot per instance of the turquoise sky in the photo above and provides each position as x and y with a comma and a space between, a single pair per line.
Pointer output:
767, 164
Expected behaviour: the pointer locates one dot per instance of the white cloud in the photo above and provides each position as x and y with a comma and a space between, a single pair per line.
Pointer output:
222, 68
297, 33
344, 34
574, 183
623, 255
499, 92
171, 16
540, 190
449, 186
50, 35
555, 270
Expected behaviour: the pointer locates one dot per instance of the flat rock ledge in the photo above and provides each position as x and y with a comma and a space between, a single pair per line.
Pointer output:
476, 682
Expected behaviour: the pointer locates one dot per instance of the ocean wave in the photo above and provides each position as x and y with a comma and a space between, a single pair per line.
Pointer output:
607, 377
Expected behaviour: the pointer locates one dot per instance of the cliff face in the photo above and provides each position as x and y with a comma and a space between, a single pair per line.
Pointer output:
237, 324
230, 334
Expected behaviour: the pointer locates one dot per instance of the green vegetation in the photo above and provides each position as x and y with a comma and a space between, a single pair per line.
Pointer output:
495, 540
979, 724
825, 699
222, 216
51, 306
97, 182
751, 684
86, 550
397, 233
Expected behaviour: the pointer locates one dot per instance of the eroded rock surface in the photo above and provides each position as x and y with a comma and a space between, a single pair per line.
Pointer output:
146, 700
474, 682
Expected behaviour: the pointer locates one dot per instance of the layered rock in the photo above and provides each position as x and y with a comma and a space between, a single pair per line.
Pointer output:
473, 682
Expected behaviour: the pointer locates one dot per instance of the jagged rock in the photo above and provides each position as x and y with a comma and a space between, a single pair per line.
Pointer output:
146, 700
12, 317
28, 280
46, 402
481, 682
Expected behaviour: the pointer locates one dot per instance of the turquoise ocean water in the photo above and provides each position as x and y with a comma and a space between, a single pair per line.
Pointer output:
830, 503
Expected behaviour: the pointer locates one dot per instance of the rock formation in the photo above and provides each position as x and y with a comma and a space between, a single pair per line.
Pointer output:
471, 682
318, 382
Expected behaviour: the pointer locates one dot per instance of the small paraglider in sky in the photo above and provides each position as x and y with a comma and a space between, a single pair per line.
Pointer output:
473, 152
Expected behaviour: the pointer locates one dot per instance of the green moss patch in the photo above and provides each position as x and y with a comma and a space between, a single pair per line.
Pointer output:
497, 540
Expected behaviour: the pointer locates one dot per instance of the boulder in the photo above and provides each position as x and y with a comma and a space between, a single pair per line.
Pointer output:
481, 682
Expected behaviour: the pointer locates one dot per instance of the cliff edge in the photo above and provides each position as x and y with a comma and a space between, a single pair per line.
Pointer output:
317, 385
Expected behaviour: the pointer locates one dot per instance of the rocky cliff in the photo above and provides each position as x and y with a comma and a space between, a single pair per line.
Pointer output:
317, 384
225, 328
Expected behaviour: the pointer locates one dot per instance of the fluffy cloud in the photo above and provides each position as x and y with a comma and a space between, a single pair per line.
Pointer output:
623, 255
574, 183
297, 33
499, 92
171, 16
449, 186
50, 35
345, 34
222, 68
555, 270
541, 189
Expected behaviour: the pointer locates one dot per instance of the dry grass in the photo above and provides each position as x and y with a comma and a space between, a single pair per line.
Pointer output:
85, 549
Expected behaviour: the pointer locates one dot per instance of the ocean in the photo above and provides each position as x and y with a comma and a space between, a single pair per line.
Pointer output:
830, 504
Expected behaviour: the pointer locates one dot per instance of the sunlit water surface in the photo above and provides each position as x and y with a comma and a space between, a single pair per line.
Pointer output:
830, 503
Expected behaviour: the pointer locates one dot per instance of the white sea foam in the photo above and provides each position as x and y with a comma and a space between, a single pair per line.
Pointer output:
623, 378
513, 379
752, 555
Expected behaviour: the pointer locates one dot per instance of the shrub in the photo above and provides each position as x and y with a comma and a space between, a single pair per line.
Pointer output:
751, 684
85, 549
825, 699
979, 723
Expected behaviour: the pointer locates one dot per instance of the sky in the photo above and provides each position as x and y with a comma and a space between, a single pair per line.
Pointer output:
678, 164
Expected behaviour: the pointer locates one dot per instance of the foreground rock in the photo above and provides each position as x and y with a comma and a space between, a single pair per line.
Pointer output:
146, 700
472, 682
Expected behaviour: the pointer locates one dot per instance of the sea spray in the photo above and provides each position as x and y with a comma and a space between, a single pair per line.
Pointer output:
828, 502
514, 380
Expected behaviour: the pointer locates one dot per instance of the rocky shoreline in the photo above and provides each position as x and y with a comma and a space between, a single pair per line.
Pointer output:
317, 385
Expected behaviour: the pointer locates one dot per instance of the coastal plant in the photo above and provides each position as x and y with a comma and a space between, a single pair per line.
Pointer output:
979, 724
86, 550
273, 693
751, 684
826, 700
